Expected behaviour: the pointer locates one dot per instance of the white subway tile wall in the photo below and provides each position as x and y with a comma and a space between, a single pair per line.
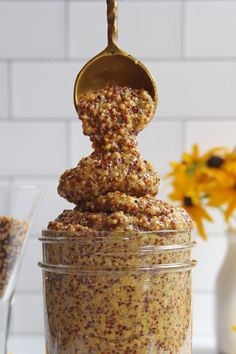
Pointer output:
32, 148
30, 274
214, 38
52, 203
194, 89
85, 19
161, 142
32, 29
189, 47
43, 89
27, 314
3, 90
154, 30
79, 145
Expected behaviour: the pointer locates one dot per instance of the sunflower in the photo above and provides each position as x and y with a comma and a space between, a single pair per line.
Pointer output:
221, 186
230, 162
223, 192
190, 162
207, 180
212, 158
192, 183
195, 165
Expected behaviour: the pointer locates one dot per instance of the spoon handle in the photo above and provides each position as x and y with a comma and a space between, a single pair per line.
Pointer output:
112, 22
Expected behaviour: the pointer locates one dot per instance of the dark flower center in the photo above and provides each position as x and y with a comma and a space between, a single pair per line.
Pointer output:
215, 161
188, 201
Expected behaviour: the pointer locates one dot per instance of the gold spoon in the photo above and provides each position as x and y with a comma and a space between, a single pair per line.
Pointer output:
113, 66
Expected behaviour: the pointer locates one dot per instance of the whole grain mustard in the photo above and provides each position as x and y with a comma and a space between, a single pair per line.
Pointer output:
112, 304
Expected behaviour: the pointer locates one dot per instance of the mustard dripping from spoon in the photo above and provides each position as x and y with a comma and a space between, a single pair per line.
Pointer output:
113, 66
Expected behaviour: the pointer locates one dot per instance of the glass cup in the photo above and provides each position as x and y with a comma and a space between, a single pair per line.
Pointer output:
110, 292
18, 206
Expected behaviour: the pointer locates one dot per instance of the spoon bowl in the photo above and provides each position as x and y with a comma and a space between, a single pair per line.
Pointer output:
113, 66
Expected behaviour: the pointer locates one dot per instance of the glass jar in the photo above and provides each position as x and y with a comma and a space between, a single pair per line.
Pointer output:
114, 292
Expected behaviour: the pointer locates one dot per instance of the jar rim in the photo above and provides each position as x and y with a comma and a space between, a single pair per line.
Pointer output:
158, 268
67, 235
96, 237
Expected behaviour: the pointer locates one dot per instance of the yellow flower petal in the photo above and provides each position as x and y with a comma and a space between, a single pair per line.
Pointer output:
195, 151
198, 214
204, 214
230, 209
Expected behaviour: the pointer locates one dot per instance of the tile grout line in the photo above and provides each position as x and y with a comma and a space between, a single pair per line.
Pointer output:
27, 333
36, 119
68, 144
157, 118
82, 60
28, 176
33, 292
203, 292
184, 135
66, 29
160, 1
183, 29
9, 90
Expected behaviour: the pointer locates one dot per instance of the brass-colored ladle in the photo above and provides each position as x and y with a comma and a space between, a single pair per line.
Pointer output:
113, 66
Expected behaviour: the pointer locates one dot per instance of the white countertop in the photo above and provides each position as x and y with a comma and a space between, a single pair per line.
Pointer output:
25, 344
